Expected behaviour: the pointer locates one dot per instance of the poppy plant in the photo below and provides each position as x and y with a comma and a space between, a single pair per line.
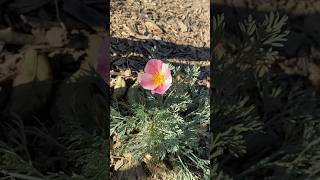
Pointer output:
157, 77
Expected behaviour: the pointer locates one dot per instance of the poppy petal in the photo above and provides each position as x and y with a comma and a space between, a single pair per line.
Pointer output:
153, 66
147, 81
167, 73
161, 89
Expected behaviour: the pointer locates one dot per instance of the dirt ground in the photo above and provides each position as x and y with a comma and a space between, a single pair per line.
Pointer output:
180, 31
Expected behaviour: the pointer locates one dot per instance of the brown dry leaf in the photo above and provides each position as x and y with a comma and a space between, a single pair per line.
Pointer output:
95, 42
8, 63
118, 164
128, 156
314, 74
119, 88
43, 68
116, 141
153, 28
112, 82
183, 27
8, 66
32, 67
91, 59
127, 73
39, 35
56, 37
147, 158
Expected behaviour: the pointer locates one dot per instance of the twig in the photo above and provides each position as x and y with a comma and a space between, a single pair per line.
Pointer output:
58, 15
21, 176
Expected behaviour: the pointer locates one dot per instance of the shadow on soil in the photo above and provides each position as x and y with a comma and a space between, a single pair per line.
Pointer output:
165, 50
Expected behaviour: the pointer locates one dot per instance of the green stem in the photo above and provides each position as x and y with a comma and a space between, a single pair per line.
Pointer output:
161, 101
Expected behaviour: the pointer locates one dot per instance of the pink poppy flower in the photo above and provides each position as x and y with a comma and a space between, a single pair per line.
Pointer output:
157, 77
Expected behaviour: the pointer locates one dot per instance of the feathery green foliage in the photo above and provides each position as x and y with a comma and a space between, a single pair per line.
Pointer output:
265, 124
64, 149
168, 127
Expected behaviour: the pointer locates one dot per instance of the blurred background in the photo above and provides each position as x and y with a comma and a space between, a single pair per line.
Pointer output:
265, 119
53, 74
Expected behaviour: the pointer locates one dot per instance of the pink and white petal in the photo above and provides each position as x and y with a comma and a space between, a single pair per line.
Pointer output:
167, 73
166, 69
153, 66
146, 81
169, 80
161, 89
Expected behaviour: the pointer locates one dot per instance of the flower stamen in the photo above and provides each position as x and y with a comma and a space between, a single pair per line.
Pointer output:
158, 78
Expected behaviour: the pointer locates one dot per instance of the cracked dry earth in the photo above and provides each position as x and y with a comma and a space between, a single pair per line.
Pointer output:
180, 31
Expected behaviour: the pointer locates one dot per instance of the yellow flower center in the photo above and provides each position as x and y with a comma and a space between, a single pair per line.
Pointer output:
158, 78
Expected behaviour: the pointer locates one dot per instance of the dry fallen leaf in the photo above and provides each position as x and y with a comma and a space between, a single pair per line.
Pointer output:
119, 88
32, 67
118, 164
314, 75
116, 141
127, 73
56, 37
153, 28
91, 60
147, 157
182, 26
95, 42
43, 68
8, 67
